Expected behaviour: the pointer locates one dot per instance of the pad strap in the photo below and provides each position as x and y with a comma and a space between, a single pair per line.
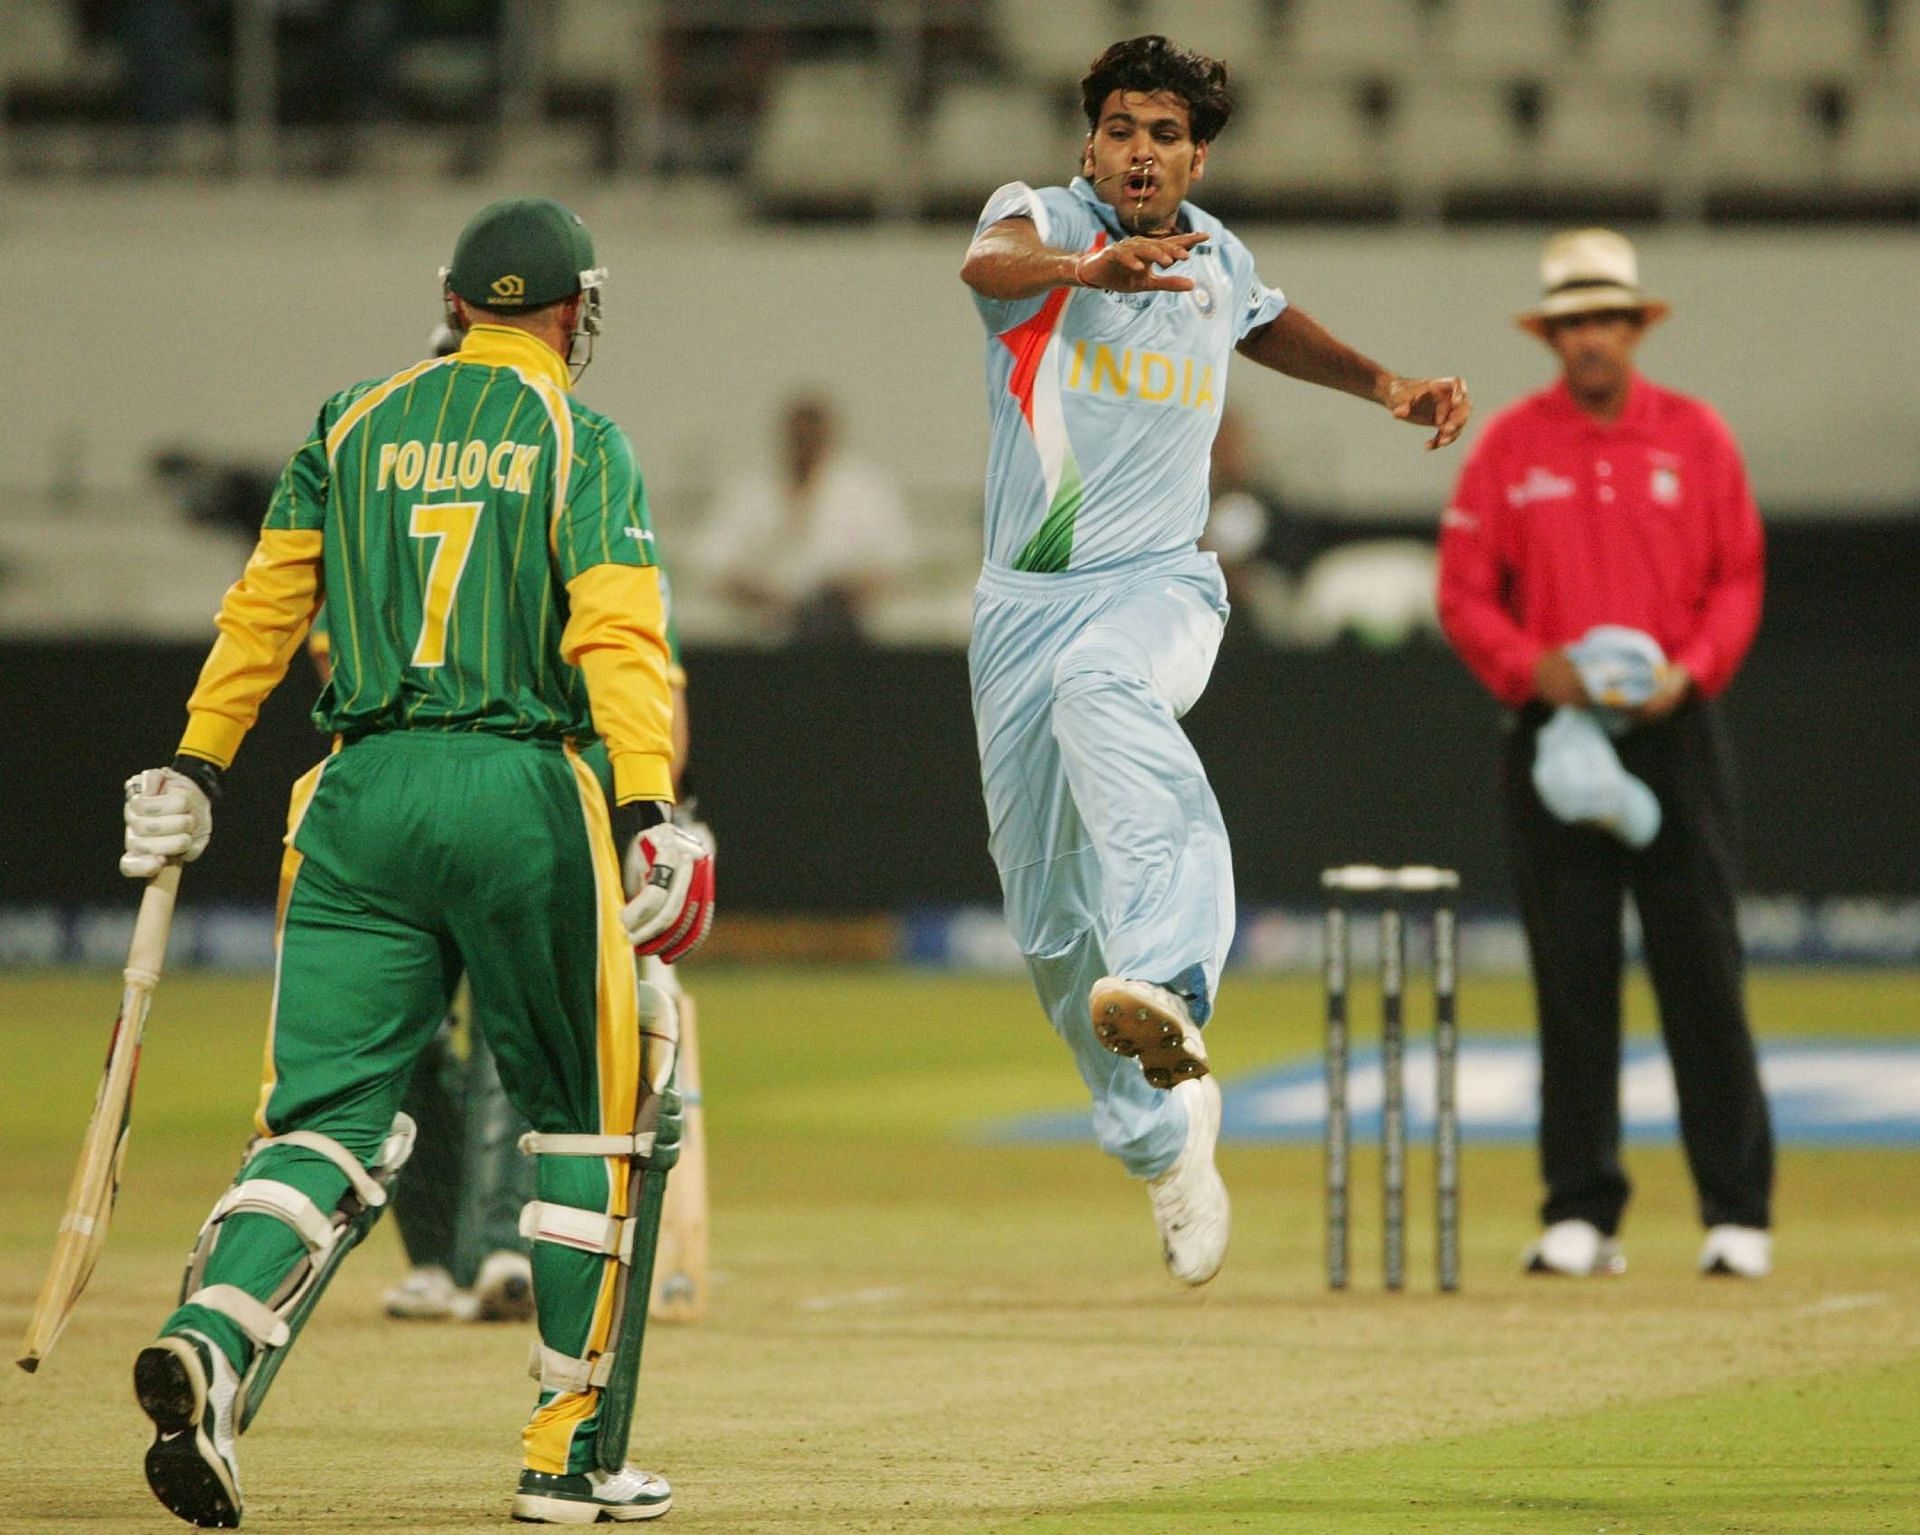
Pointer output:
259, 1322
535, 1144
569, 1226
268, 1196
565, 1372
372, 1195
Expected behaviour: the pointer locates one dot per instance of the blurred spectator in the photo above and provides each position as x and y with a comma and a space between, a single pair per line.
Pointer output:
1261, 546
806, 549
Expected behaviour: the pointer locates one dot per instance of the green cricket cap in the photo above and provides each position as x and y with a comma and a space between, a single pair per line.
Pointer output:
520, 253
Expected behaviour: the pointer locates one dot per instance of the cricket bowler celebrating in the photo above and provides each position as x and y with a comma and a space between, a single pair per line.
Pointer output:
1112, 308
482, 543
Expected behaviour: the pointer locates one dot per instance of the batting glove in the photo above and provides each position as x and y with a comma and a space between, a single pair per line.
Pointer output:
669, 877
169, 820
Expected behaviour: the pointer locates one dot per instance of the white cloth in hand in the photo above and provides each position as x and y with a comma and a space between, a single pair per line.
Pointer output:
169, 820
1579, 778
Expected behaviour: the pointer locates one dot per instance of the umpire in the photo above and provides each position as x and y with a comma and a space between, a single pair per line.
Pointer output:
1603, 529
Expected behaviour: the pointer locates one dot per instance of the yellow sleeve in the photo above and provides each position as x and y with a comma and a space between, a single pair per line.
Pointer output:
263, 619
617, 635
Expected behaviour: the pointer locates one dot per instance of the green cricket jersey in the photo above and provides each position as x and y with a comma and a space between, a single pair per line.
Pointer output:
441, 495
482, 544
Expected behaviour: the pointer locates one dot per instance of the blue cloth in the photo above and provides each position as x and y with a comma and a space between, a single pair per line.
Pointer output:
1620, 668
1109, 843
1103, 406
1580, 780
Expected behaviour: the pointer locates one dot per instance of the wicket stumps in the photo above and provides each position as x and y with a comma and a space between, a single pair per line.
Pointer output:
1393, 889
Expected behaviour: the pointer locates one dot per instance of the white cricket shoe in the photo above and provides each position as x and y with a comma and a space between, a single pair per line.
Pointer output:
1140, 1019
587, 1499
1576, 1248
186, 1386
1189, 1199
1745, 1252
427, 1294
502, 1291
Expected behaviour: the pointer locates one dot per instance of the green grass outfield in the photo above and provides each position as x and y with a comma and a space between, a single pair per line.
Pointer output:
918, 1330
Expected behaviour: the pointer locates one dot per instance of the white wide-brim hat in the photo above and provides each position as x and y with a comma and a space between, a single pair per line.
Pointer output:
1586, 270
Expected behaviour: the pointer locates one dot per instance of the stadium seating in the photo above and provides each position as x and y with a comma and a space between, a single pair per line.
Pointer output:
1369, 108
831, 141
982, 135
1054, 42
1458, 142
1300, 146
1900, 56
1239, 31
38, 39
1795, 40
1655, 39
1610, 139
1347, 37
1758, 141
1504, 39
587, 44
1879, 149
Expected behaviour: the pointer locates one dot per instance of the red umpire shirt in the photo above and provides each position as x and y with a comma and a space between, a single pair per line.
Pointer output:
1561, 521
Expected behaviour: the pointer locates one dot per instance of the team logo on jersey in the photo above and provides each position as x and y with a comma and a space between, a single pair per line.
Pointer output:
510, 289
1666, 485
1203, 299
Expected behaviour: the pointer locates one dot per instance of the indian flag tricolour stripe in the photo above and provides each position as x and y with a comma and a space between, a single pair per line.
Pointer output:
1035, 384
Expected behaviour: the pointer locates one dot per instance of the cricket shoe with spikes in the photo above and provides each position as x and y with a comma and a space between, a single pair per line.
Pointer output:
186, 1385
592, 1497
1189, 1198
1151, 1023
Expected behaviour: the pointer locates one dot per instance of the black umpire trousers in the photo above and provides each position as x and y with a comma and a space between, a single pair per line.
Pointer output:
1572, 882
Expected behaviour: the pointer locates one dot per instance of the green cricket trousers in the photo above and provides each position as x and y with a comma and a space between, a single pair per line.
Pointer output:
411, 857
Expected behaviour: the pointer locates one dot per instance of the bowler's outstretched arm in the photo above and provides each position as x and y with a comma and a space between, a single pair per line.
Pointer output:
1301, 347
1009, 261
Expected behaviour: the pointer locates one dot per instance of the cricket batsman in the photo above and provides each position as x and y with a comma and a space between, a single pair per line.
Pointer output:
483, 543
1112, 308
458, 1208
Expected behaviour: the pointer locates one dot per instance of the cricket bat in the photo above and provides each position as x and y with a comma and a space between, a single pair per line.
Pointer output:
96, 1178
680, 1263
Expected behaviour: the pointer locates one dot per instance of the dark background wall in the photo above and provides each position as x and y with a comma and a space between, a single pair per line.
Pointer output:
845, 781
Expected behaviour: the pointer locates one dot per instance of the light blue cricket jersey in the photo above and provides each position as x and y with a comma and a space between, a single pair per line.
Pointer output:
1103, 406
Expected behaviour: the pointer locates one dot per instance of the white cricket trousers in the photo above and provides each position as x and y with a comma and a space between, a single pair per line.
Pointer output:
1111, 851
